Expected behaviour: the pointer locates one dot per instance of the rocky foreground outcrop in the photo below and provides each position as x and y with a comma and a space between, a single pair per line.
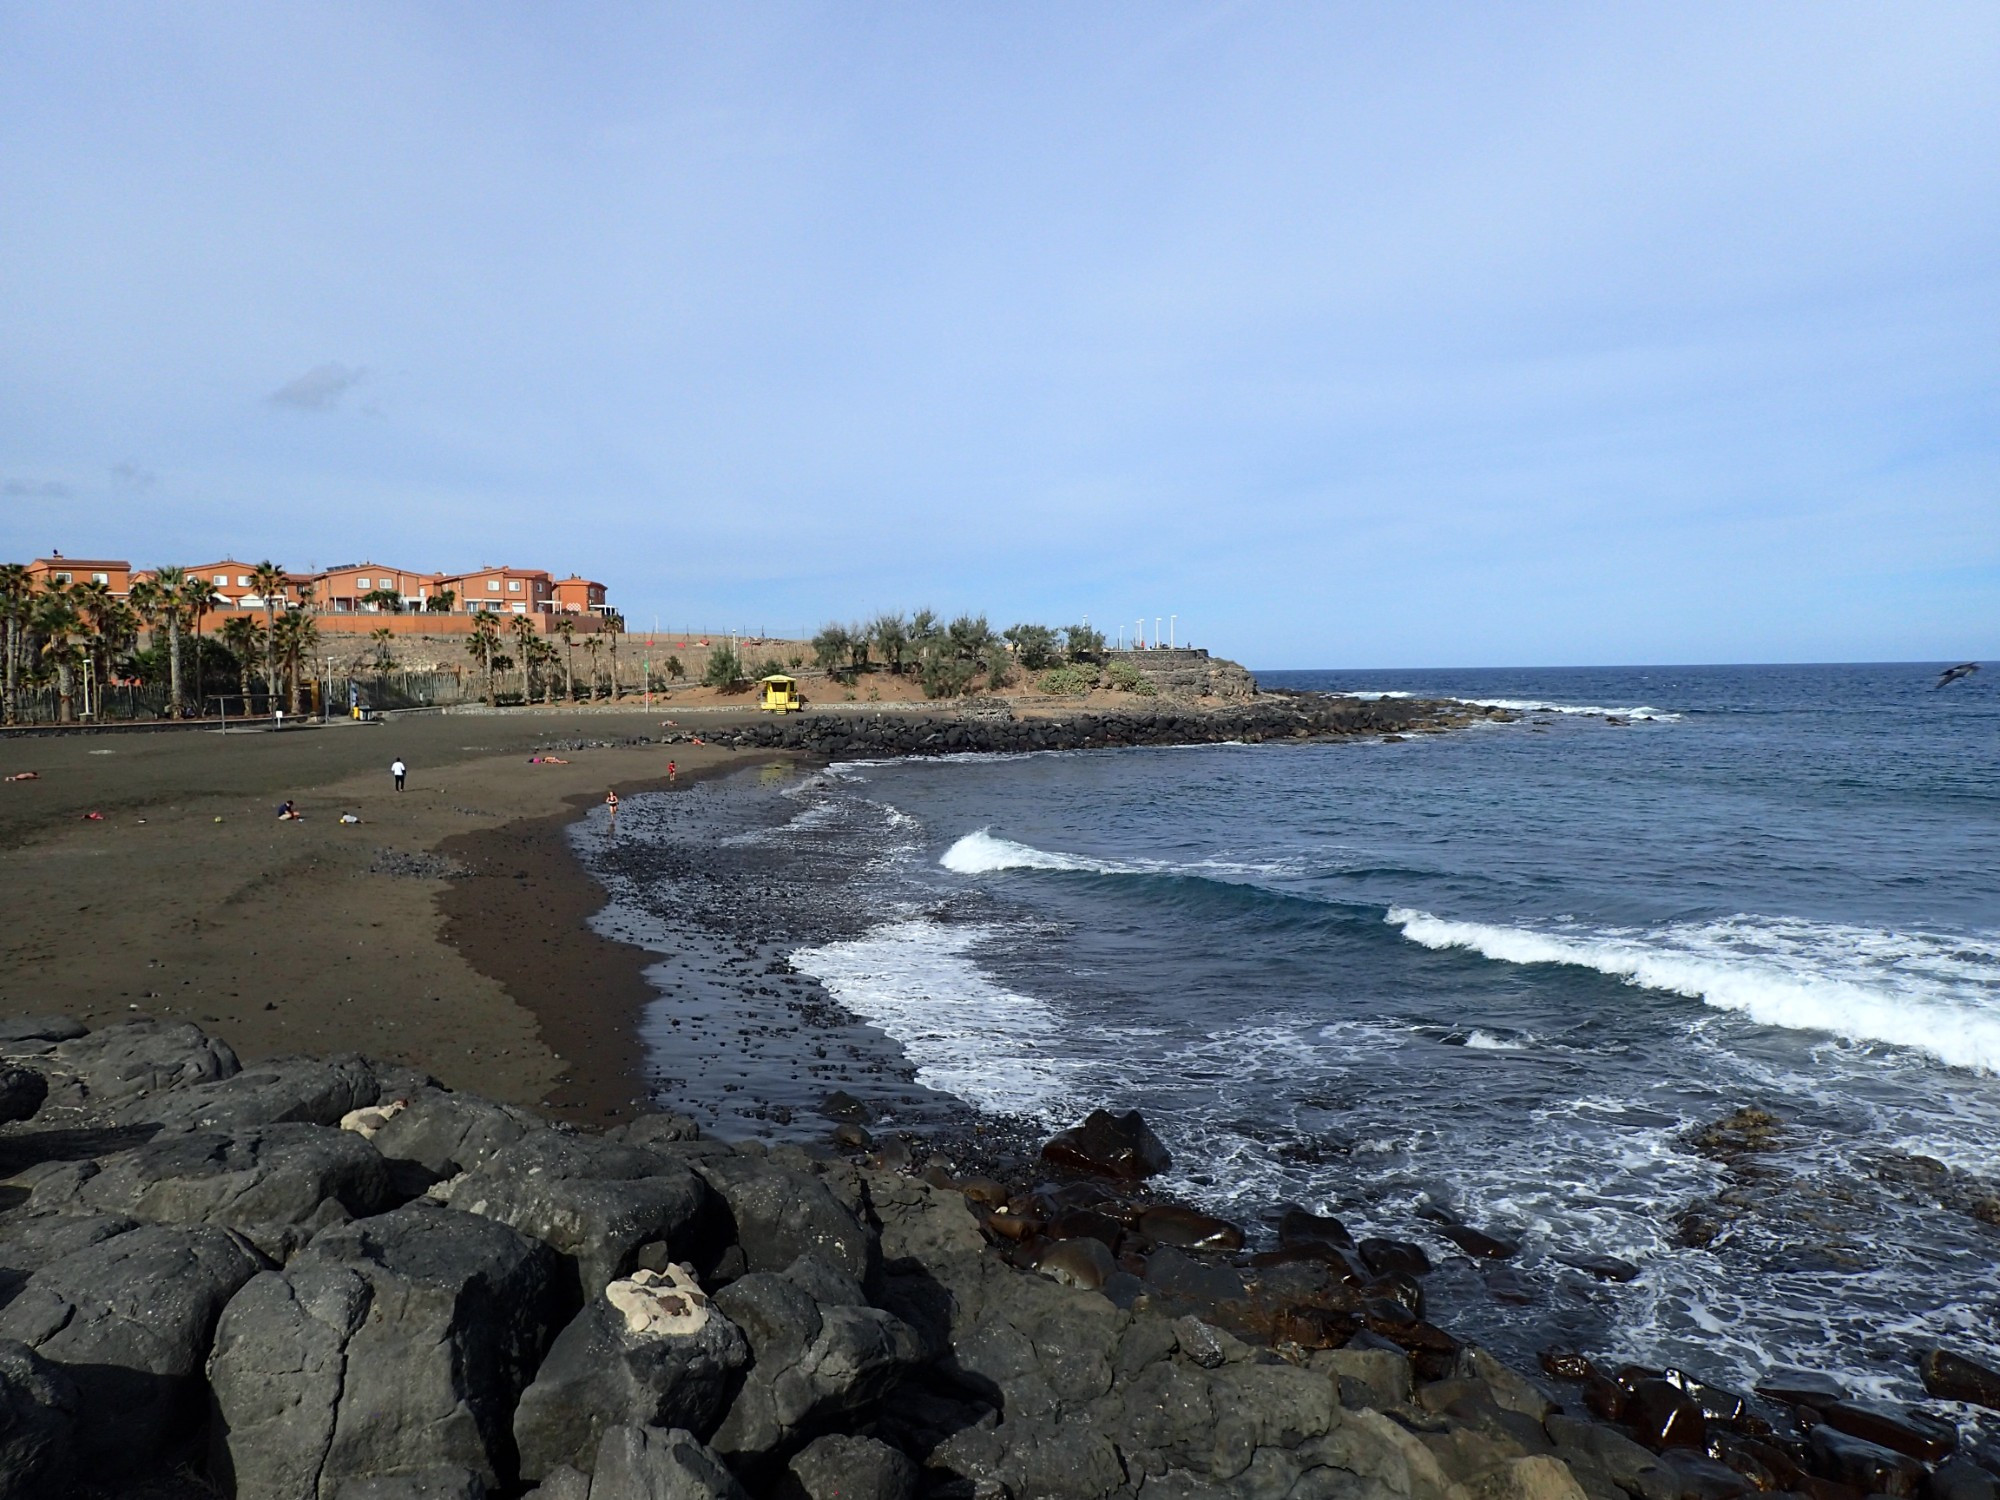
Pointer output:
332, 1279
994, 728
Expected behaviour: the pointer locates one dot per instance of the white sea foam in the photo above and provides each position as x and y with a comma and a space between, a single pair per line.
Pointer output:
1588, 710
983, 852
1938, 994
968, 1035
1486, 1041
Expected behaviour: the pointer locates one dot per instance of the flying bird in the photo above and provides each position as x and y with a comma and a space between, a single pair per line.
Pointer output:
1951, 674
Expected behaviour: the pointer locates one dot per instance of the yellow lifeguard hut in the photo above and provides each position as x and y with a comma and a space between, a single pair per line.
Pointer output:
781, 694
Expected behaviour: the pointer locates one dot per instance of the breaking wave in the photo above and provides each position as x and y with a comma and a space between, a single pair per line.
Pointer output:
985, 853
1934, 993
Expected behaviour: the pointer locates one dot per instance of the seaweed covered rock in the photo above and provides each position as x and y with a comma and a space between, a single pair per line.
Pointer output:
651, 1350
389, 1346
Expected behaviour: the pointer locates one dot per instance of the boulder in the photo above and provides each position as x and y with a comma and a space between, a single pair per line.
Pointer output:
595, 1201
439, 1135
1961, 1479
822, 1355
1080, 1263
1867, 1467
778, 1214
1170, 1224
1923, 1438
1664, 1416
1374, 1379
429, 1484
277, 1185
837, 1467
1807, 1388
29, 1243
37, 1425
108, 1068
1297, 1227
389, 1346
22, 1091
655, 1130
1108, 1145
282, 1091
1953, 1377
1477, 1242
648, 1463
1394, 1257
34, 1036
650, 1351
129, 1320
1603, 1267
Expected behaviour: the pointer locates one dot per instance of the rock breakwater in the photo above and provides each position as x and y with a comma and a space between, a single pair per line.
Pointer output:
333, 1278
997, 729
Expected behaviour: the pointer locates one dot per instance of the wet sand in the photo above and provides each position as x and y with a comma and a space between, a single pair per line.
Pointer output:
188, 900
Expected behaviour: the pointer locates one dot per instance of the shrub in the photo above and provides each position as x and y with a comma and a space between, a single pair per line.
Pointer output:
830, 647
998, 668
725, 667
673, 668
770, 666
1067, 681
1128, 678
945, 675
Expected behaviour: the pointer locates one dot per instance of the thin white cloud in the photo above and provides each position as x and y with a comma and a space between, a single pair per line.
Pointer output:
320, 388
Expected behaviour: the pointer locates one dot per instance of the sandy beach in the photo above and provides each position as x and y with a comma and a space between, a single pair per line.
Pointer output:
188, 899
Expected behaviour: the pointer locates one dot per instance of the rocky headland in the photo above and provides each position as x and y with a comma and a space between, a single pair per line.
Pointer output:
334, 1278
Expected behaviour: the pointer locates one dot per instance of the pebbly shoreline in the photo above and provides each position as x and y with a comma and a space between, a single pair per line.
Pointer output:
332, 1277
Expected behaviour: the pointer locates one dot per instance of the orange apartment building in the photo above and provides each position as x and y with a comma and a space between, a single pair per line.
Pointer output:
338, 593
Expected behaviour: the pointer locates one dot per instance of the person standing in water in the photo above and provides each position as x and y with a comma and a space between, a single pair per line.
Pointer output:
611, 801
670, 773
398, 770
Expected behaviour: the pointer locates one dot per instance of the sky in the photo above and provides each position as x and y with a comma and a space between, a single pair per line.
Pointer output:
1351, 335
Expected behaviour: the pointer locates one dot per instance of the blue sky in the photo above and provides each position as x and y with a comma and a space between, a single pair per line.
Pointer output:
1383, 335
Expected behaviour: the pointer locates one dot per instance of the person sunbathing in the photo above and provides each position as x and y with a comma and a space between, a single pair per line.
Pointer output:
26, 776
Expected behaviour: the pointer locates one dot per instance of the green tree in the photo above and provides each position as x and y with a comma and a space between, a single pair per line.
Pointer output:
443, 602
297, 637
387, 600
385, 648
674, 669
593, 647
1036, 647
565, 627
244, 637
725, 667
57, 624
17, 593
527, 634
1085, 643
483, 646
268, 579
198, 599
970, 636
924, 628
891, 634
831, 647
159, 600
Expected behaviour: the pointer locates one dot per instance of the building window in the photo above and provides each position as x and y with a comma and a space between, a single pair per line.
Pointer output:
243, 580
100, 578
62, 578
493, 584
221, 580
513, 585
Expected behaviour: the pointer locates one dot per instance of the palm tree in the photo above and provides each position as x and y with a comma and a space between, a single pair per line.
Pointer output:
617, 687
158, 600
295, 634
543, 655
111, 627
484, 646
441, 602
244, 637
594, 648
566, 628
17, 591
385, 641
197, 598
57, 623
526, 637
268, 579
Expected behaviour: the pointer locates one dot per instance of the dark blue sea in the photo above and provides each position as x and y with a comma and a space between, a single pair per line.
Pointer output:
1501, 972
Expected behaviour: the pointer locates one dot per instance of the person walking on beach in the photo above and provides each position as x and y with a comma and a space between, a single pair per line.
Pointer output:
611, 801
398, 770
670, 773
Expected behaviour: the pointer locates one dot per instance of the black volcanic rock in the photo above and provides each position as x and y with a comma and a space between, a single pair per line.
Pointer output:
1108, 1145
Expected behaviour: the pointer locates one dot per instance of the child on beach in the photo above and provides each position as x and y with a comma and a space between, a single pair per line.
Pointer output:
286, 812
670, 773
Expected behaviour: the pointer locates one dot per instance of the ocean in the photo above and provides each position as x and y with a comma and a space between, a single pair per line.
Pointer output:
1503, 973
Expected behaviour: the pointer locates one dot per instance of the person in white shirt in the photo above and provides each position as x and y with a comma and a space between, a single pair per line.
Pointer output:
398, 770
